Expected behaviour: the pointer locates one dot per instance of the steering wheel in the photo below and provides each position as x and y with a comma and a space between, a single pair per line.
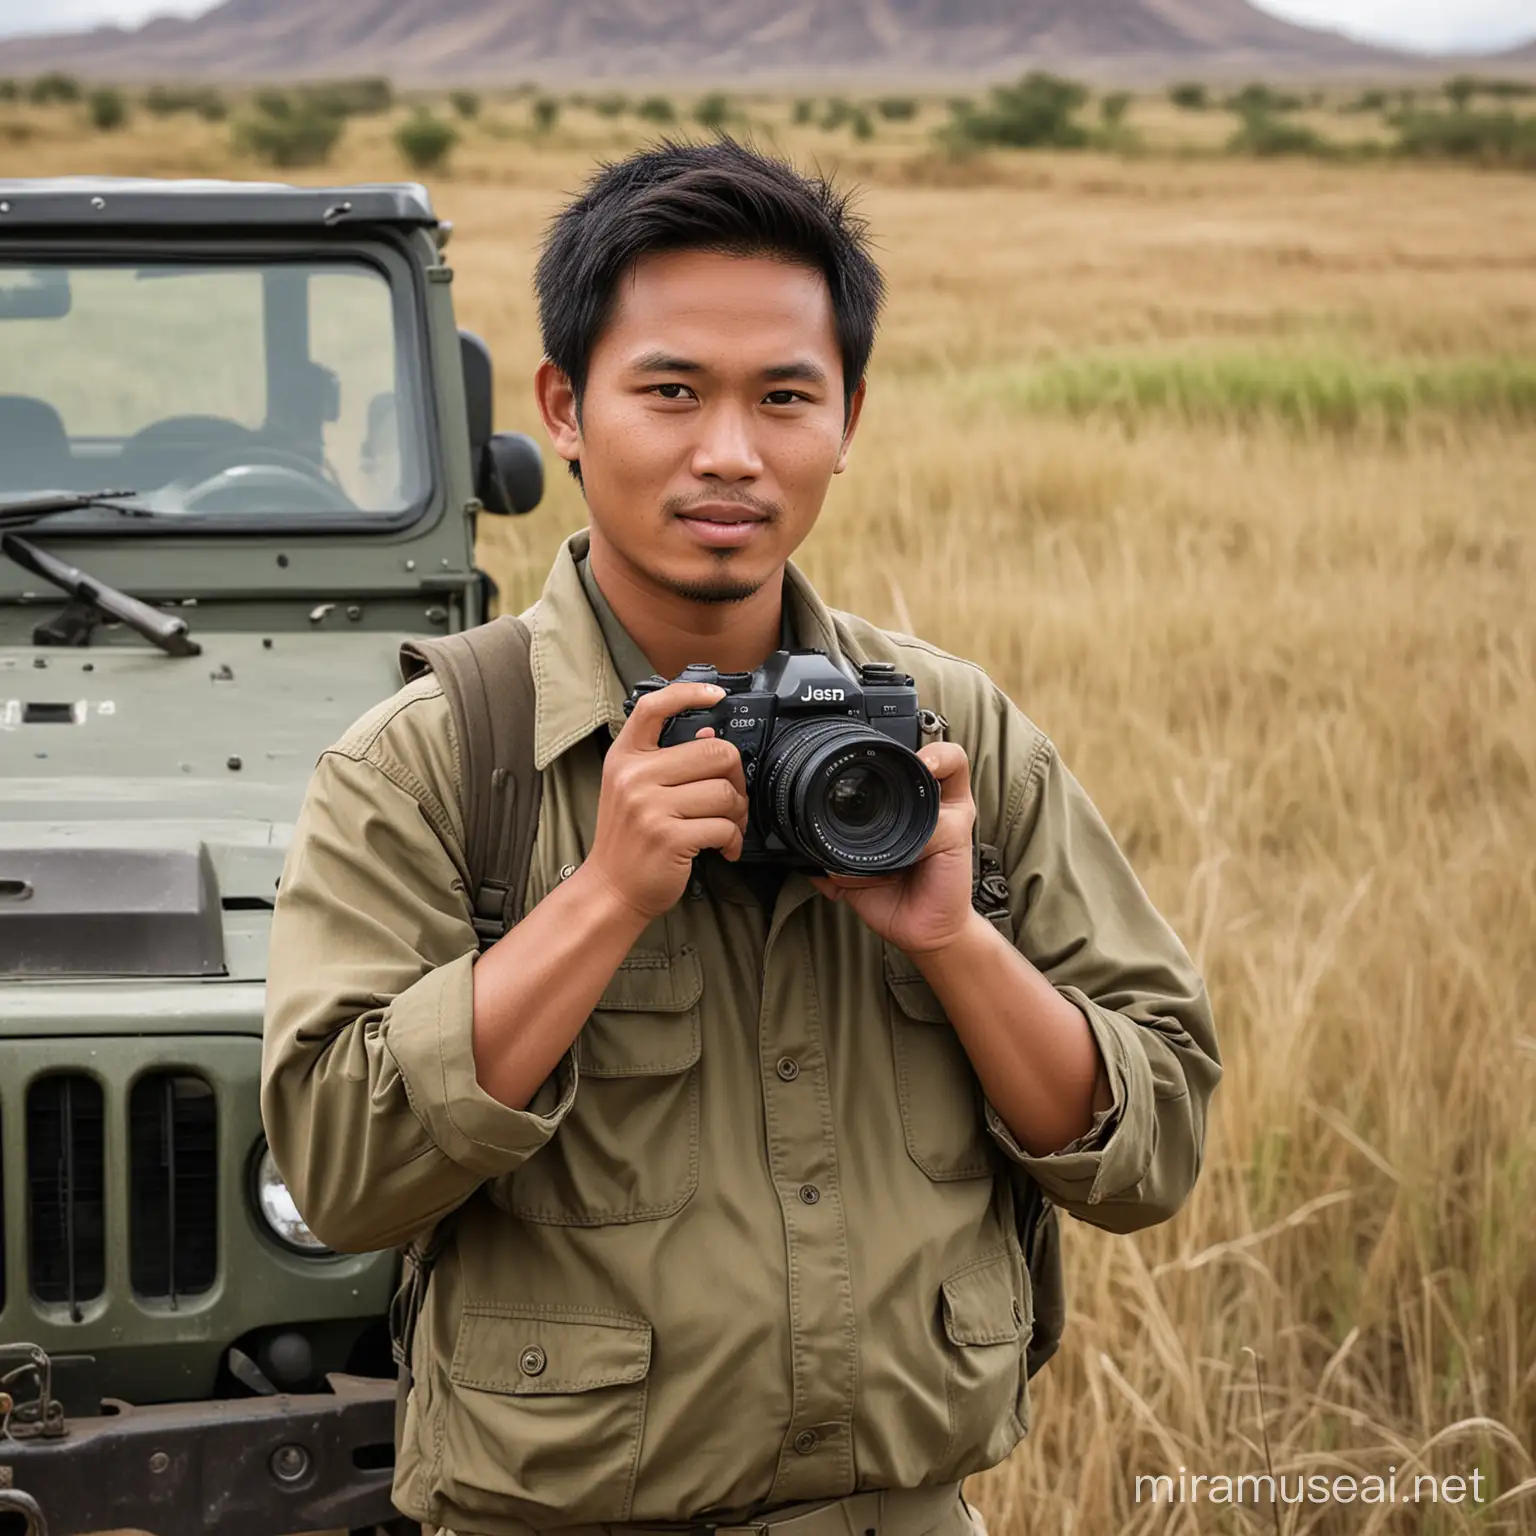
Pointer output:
247, 479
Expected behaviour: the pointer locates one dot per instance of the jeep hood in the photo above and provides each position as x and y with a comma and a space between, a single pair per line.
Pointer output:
147, 801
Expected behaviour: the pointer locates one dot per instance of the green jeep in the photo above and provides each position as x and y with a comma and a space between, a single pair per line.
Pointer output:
243, 446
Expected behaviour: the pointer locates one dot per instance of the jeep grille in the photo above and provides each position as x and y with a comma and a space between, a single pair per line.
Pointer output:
65, 1174
173, 1186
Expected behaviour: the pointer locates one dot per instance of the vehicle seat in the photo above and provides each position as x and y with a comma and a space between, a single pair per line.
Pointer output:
34, 447
164, 450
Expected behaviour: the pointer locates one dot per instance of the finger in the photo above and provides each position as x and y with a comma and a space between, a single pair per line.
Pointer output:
717, 833
704, 799
642, 731
948, 763
689, 762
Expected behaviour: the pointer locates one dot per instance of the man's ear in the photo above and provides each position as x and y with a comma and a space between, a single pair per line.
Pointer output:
557, 405
855, 412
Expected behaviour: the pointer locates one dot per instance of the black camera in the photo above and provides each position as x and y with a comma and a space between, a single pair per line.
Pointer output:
834, 782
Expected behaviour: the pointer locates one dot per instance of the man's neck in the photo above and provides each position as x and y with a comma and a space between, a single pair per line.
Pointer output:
673, 631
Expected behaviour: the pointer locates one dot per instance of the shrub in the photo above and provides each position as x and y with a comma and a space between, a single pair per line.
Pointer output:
839, 112
657, 109
1485, 138
425, 141
1034, 113
9, 90
54, 87
612, 105
1114, 106
286, 134
1263, 135
1258, 98
897, 109
108, 109
805, 110
713, 112
367, 96
465, 103
546, 113
1367, 101
863, 124
1191, 95
166, 101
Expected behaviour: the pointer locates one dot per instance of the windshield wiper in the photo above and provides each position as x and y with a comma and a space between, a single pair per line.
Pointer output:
90, 597
22, 514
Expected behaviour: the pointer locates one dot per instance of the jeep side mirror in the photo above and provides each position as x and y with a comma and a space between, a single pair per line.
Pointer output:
511, 477
509, 469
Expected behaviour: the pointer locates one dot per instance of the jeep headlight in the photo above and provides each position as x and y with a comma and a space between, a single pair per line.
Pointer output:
277, 1210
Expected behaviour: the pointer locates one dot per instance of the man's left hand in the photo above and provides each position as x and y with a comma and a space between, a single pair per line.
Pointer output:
928, 906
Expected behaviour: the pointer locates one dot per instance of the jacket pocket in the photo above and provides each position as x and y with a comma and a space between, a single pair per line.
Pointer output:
628, 1150
987, 1320
942, 1114
545, 1415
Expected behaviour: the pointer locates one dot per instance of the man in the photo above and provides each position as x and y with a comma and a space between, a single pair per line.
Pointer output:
736, 1158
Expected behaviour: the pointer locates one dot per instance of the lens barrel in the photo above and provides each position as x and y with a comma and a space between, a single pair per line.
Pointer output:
846, 797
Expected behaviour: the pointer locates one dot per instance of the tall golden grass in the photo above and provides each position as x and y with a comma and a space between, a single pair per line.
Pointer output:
1293, 658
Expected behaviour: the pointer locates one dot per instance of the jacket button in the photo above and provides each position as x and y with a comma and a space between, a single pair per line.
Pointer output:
532, 1361
810, 1195
788, 1068
807, 1441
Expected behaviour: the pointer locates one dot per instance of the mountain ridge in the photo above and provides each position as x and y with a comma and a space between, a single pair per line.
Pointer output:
484, 40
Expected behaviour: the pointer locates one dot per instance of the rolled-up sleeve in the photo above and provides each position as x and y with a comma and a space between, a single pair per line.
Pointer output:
1081, 916
370, 1098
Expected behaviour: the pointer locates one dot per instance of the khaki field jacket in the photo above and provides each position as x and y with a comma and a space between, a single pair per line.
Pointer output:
755, 1241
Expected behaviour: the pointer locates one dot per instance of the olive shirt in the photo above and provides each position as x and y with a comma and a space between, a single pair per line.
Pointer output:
755, 1241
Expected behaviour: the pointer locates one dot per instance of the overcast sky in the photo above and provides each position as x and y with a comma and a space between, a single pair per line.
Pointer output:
1430, 24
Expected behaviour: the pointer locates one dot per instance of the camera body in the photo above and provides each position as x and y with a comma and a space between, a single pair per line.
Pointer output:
834, 782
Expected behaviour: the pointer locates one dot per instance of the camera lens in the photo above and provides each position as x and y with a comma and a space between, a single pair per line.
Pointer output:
857, 799
847, 798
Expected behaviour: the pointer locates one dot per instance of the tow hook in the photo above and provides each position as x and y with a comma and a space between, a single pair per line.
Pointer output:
14, 1501
28, 1408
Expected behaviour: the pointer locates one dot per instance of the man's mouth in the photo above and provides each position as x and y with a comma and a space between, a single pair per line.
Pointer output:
722, 514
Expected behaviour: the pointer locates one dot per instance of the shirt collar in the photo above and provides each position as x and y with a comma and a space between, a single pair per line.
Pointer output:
577, 684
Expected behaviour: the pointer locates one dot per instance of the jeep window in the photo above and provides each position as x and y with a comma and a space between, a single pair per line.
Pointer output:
281, 389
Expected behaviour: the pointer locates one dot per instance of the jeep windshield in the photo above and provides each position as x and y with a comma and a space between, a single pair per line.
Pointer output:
218, 392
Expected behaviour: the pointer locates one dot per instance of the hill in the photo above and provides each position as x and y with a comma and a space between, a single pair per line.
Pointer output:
513, 39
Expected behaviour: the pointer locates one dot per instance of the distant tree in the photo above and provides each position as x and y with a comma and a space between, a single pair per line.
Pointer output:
657, 109
611, 105
897, 109
108, 109
839, 111
1037, 112
1258, 98
1191, 95
862, 123
9, 90
713, 112
1114, 106
465, 103
273, 103
1461, 89
286, 133
425, 141
54, 87
546, 113
805, 110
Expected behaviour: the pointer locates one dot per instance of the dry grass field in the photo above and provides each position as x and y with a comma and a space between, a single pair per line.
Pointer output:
1226, 470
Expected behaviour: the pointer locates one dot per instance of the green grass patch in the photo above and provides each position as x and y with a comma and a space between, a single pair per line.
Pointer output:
1309, 393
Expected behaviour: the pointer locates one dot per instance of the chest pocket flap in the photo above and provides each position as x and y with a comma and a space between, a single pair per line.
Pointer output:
646, 1023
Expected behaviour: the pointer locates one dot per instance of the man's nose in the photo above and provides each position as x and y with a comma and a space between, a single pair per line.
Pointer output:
726, 450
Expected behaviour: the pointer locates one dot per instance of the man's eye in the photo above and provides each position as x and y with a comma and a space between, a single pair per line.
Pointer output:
784, 397
672, 391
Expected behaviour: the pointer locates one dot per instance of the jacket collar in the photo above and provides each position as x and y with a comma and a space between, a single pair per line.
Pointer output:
577, 687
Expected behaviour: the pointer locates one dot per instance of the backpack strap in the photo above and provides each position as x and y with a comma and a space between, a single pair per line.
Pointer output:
487, 677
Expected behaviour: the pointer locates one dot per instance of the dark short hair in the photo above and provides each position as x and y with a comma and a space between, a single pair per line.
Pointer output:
724, 196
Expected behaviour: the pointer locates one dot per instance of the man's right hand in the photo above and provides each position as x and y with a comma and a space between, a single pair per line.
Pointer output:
661, 806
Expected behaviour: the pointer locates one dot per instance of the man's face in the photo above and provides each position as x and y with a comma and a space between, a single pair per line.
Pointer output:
712, 422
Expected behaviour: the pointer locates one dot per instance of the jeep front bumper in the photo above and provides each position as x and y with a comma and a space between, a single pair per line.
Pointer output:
321, 1461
